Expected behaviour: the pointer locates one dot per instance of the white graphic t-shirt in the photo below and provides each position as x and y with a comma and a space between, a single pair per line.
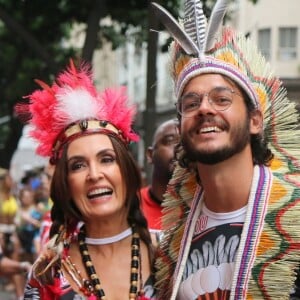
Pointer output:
209, 267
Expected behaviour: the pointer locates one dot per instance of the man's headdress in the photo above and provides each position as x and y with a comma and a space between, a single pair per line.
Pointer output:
202, 47
72, 107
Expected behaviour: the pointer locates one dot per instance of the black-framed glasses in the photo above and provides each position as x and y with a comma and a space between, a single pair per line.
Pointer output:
220, 99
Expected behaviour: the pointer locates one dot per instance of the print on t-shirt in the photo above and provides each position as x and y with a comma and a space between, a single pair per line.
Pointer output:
210, 264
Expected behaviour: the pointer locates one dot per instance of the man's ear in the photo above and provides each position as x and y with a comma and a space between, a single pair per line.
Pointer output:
149, 154
256, 122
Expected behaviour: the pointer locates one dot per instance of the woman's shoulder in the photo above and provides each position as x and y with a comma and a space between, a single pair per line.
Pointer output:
41, 288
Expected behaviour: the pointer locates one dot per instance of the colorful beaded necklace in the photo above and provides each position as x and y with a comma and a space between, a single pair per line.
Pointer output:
94, 282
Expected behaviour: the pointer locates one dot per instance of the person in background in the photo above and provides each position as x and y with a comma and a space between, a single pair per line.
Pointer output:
100, 246
31, 178
46, 178
29, 222
232, 206
8, 211
10, 267
161, 155
9, 240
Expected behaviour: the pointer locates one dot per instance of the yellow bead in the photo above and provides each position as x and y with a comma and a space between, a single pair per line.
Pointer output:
134, 283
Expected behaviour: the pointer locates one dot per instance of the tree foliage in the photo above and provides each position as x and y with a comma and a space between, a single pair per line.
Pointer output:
32, 35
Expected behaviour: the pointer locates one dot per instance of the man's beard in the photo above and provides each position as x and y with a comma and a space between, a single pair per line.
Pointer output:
239, 139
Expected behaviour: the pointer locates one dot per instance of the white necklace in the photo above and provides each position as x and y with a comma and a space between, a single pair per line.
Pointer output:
109, 240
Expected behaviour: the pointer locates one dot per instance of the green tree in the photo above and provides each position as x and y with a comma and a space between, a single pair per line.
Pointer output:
32, 33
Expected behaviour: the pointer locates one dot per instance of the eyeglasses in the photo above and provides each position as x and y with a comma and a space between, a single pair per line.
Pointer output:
220, 99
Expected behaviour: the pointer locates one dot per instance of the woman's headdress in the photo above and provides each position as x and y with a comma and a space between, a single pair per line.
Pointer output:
72, 107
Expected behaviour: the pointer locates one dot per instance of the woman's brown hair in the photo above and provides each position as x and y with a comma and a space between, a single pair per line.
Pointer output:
64, 211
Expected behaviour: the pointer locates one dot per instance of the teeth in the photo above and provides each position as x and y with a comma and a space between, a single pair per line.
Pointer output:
210, 129
99, 191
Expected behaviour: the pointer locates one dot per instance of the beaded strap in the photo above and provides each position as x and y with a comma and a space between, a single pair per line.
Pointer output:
95, 281
135, 266
135, 261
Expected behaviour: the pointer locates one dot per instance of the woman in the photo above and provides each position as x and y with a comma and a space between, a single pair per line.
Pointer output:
29, 223
100, 247
9, 240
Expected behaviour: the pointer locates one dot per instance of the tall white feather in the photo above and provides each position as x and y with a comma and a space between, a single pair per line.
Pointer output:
195, 23
215, 21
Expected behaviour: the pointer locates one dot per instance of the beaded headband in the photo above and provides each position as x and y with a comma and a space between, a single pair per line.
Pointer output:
72, 107
206, 65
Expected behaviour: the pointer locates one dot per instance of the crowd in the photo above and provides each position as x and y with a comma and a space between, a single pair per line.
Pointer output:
24, 208
219, 219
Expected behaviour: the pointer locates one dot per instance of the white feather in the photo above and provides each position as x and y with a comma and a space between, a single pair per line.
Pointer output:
195, 23
76, 104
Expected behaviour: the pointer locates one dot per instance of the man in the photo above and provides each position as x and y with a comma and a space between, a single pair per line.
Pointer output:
232, 205
161, 156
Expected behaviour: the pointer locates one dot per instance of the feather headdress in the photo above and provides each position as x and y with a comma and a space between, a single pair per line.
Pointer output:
200, 47
72, 106
196, 37
192, 52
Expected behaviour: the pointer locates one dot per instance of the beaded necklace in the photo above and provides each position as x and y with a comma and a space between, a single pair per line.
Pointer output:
94, 281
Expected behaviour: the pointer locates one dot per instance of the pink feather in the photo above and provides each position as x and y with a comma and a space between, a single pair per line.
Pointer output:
50, 116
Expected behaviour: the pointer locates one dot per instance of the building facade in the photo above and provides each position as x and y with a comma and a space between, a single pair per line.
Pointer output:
275, 27
273, 24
